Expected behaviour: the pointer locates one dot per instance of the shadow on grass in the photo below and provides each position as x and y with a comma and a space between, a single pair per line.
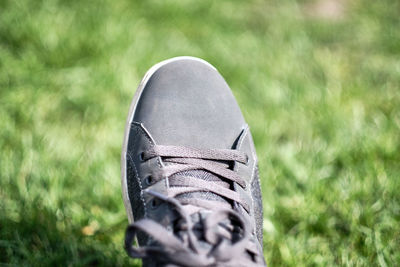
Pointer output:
34, 235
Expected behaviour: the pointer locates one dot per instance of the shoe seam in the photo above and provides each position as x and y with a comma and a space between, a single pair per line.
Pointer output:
247, 131
140, 184
140, 130
148, 139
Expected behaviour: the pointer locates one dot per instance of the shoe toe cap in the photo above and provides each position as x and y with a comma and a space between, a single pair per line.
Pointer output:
187, 102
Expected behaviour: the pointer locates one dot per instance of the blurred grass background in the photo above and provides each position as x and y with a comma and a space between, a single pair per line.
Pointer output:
318, 82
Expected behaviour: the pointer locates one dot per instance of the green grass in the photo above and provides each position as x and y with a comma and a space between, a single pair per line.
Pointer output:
321, 94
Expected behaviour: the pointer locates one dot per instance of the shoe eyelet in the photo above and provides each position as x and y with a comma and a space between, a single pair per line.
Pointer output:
154, 203
141, 156
148, 180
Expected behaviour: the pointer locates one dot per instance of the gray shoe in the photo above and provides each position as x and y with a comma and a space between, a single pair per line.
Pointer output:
189, 171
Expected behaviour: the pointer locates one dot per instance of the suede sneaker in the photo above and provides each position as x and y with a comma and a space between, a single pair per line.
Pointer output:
189, 171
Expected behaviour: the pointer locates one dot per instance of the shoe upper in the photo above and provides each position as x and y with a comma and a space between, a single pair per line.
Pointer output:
191, 171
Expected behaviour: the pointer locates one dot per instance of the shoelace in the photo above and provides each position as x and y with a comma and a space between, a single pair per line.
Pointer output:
228, 248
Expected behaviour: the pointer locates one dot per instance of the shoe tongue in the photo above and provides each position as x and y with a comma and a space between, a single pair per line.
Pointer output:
206, 176
198, 217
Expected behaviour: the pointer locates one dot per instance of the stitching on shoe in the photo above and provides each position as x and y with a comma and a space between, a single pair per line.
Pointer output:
145, 134
254, 155
253, 171
140, 184
139, 130
136, 132
247, 131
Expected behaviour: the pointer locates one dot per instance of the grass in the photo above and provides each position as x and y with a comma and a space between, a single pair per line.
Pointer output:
320, 92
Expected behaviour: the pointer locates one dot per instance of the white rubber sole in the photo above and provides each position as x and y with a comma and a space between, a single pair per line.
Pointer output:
129, 120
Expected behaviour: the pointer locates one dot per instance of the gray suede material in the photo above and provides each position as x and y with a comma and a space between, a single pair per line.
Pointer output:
188, 103
134, 188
